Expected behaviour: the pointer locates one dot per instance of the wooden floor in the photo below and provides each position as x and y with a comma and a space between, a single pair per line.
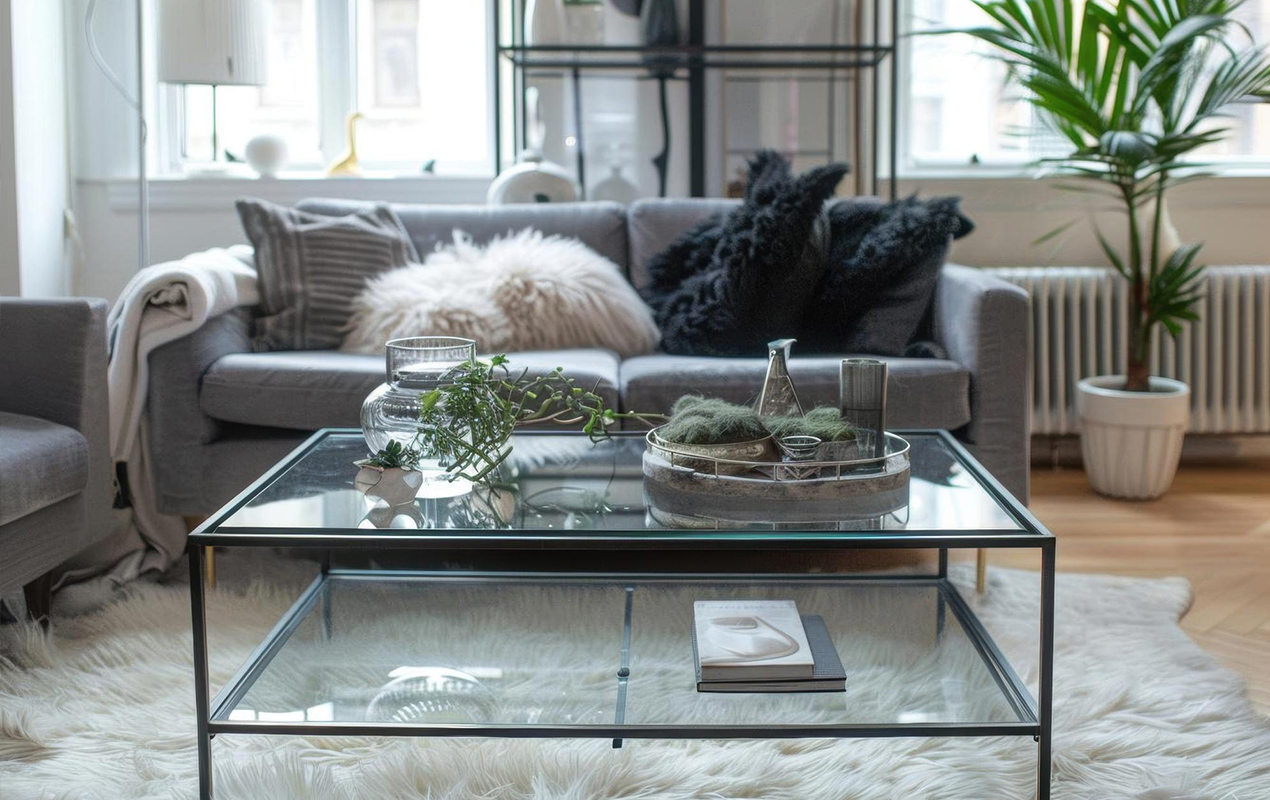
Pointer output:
1212, 528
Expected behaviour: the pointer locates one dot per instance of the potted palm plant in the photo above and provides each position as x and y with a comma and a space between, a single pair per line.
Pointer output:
1135, 88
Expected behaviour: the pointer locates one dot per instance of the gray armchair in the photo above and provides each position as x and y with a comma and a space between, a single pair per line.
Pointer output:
55, 482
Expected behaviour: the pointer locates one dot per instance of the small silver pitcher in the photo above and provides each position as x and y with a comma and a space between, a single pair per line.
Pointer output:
778, 398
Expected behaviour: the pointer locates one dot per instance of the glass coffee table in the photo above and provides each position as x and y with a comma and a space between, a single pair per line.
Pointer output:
554, 624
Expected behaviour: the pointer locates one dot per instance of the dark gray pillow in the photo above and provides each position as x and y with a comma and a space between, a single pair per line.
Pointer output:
730, 285
881, 269
311, 266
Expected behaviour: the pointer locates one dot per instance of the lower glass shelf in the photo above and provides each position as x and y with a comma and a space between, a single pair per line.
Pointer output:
409, 654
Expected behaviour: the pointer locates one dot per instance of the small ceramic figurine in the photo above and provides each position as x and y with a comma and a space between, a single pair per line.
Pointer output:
394, 485
347, 163
267, 154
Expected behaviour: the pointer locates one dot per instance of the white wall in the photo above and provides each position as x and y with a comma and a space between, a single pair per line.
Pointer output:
1228, 214
191, 215
34, 167
10, 276
103, 125
40, 146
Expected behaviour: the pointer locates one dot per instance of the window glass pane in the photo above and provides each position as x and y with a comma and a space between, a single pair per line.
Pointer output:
1248, 122
422, 85
960, 111
286, 106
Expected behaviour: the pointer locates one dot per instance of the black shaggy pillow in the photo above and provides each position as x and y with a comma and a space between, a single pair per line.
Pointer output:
733, 283
882, 264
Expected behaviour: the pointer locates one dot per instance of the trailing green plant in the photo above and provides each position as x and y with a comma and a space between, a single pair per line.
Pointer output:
1135, 87
468, 422
394, 455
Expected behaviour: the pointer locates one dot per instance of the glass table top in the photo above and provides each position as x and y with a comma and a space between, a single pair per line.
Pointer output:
562, 485
403, 651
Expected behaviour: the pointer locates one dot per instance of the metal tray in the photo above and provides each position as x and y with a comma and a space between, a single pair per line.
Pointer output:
679, 482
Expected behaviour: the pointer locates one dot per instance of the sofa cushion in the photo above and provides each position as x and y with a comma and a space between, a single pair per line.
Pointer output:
318, 389
600, 226
921, 392
41, 463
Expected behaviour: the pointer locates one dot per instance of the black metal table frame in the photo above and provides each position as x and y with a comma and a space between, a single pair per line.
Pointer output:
1034, 716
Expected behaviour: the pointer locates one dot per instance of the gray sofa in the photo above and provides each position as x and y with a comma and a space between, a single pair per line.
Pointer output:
221, 414
55, 485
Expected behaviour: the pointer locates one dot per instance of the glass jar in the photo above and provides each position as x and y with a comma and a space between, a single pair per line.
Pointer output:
415, 366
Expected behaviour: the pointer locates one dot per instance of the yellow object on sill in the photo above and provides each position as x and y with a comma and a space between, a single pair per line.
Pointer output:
347, 163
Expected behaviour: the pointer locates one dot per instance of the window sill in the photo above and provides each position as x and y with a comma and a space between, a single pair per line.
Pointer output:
217, 192
1022, 173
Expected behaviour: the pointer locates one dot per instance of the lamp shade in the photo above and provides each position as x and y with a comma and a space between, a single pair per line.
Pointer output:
212, 41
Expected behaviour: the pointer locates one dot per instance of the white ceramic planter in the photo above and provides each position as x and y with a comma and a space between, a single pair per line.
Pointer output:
395, 486
1131, 441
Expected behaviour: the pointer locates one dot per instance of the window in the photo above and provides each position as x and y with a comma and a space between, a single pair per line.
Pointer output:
959, 110
416, 69
1249, 122
286, 106
421, 82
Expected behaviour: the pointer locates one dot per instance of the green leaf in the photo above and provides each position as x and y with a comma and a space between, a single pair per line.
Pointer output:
429, 402
1043, 238
1111, 254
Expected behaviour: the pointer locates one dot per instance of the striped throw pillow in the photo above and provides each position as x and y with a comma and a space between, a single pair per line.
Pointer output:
311, 266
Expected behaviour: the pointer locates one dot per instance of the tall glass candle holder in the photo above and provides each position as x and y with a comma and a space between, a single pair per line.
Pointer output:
862, 402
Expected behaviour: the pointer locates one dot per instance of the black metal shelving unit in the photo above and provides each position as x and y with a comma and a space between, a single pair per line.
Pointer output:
689, 62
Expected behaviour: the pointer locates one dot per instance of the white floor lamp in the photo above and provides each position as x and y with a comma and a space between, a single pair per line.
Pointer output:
216, 42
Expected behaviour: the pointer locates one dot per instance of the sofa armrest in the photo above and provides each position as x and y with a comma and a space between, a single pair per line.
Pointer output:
178, 428
982, 321
53, 366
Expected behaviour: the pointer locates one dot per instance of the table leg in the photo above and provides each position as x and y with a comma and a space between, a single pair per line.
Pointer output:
981, 571
1045, 693
211, 566
326, 598
198, 619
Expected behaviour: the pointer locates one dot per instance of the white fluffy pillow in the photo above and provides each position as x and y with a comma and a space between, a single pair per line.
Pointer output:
522, 292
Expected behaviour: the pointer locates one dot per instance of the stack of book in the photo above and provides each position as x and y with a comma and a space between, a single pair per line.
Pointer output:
763, 646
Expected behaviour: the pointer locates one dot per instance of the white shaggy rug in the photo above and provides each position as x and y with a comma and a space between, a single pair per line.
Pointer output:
104, 708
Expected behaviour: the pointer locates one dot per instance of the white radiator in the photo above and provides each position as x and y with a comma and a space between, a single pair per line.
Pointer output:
1079, 329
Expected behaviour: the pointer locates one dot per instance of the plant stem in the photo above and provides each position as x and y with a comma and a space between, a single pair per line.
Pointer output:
1156, 223
1137, 375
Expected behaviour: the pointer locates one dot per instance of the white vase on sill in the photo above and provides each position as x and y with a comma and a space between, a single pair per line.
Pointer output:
544, 22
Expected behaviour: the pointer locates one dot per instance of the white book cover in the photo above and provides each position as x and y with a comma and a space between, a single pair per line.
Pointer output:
751, 640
